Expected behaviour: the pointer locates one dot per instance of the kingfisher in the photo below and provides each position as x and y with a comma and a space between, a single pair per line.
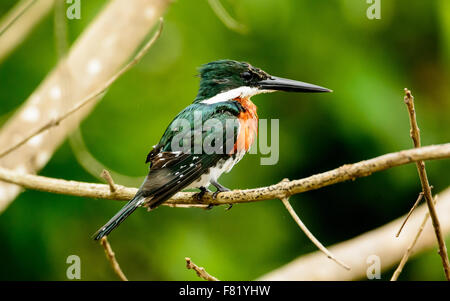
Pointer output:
208, 137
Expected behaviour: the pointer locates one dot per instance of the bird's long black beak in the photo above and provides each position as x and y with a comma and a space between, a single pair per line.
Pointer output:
283, 84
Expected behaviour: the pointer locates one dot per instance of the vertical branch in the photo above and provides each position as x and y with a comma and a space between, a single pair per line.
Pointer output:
111, 256
358, 251
60, 25
415, 136
107, 176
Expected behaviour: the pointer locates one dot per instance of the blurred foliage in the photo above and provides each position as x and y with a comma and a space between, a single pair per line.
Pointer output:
366, 62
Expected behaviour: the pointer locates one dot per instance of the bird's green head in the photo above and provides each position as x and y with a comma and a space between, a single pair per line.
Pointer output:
230, 76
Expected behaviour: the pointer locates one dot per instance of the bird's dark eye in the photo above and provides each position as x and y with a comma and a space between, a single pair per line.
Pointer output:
246, 75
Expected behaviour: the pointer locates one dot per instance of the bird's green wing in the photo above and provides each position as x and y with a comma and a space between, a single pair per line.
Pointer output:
186, 151
189, 129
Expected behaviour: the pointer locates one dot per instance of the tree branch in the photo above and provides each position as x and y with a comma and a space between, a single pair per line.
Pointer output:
111, 256
419, 198
276, 191
356, 251
107, 176
96, 94
93, 165
311, 237
19, 22
201, 272
101, 50
410, 248
225, 17
415, 136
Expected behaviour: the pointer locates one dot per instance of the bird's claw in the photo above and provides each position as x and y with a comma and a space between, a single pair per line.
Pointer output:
216, 193
209, 207
199, 196
219, 190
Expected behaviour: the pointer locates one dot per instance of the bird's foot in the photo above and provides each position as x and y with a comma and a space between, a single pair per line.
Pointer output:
220, 188
214, 195
199, 196
209, 207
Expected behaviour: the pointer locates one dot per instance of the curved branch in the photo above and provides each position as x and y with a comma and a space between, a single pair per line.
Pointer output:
361, 252
19, 22
91, 97
311, 237
92, 165
225, 17
277, 191
94, 58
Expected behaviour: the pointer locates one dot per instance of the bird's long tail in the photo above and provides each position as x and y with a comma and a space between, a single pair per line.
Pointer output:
120, 216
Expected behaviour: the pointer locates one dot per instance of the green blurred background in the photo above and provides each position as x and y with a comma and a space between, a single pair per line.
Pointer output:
331, 43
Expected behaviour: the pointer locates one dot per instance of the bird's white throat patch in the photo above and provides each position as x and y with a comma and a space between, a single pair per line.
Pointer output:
241, 92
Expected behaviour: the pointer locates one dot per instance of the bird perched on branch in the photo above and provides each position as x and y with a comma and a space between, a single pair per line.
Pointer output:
208, 137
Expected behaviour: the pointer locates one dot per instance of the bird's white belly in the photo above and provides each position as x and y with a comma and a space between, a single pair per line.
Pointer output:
215, 172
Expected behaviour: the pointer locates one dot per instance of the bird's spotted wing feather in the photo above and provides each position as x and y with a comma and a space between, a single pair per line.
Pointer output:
162, 183
172, 170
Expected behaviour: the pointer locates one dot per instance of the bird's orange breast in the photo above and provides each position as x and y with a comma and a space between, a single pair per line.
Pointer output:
248, 130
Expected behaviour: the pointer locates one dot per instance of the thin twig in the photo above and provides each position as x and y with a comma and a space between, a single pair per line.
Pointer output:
201, 272
107, 176
310, 235
91, 96
112, 258
419, 198
92, 165
276, 191
410, 248
22, 8
19, 22
415, 136
226, 18
372, 249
